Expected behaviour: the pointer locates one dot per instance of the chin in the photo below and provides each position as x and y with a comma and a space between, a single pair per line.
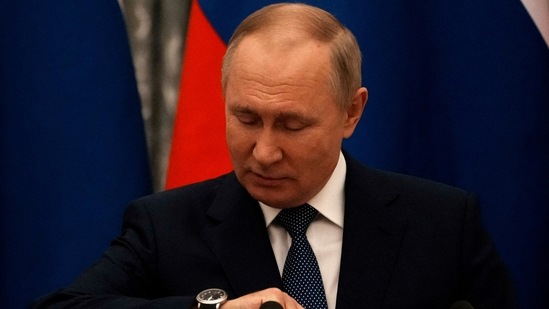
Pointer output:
275, 200
277, 194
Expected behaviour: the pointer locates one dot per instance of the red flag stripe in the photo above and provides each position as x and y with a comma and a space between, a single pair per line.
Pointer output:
198, 148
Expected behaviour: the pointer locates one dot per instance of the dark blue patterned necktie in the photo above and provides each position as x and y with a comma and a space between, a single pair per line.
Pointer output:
301, 276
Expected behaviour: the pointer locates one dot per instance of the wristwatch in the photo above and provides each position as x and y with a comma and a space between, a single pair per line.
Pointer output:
211, 298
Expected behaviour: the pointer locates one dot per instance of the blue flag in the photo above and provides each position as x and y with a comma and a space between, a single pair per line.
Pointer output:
459, 93
72, 143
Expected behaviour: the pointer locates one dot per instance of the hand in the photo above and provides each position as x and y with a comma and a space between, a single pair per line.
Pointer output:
254, 300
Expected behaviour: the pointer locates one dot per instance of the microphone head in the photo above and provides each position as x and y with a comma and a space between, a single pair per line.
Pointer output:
271, 304
462, 304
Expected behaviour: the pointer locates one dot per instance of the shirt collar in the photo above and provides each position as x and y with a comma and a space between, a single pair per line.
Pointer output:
329, 201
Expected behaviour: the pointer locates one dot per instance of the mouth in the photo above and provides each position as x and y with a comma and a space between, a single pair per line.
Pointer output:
267, 180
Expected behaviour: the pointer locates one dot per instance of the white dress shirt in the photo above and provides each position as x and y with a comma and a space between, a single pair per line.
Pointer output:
325, 234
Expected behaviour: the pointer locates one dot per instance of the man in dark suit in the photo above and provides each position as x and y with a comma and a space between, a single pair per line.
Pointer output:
292, 88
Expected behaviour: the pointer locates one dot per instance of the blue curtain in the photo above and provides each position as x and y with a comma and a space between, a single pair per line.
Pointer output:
72, 145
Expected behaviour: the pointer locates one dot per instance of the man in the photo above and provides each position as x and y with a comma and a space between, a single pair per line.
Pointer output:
292, 87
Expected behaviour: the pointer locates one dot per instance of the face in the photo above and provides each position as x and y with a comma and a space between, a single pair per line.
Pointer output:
284, 127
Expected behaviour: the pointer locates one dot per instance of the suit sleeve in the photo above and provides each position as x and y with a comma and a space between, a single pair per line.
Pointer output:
488, 284
124, 277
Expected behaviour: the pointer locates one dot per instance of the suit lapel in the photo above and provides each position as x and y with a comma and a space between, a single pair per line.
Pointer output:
372, 238
239, 238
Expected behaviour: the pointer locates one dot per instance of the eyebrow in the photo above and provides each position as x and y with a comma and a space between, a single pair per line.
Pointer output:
293, 116
281, 117
242, 110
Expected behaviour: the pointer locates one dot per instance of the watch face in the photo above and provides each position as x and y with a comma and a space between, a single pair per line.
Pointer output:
211, 296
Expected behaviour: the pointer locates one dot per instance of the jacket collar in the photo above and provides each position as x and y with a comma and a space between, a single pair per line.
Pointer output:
238, 237
372, 238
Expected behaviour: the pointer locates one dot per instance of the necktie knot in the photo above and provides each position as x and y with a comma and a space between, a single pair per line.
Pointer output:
296, 220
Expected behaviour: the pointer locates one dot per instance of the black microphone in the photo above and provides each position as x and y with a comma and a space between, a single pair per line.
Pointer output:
271, 304
462, 304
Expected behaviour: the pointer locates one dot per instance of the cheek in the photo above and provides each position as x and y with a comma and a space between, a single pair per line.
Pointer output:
318, 141
238, 141
231, 129
318, 153
308, 151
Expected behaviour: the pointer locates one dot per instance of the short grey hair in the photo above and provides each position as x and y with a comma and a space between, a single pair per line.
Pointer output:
346, 58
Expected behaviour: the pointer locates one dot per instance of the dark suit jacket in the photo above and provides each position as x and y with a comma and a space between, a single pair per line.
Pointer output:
407, 243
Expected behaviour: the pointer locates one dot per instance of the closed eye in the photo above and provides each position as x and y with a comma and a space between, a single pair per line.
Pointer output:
293, 122
245, 115
248, 119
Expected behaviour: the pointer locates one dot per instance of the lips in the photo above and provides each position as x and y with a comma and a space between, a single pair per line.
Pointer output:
267, 180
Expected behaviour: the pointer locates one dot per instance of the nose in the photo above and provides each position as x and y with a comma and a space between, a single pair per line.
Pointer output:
266, 150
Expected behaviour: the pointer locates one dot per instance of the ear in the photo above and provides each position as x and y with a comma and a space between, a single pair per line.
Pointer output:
354, 112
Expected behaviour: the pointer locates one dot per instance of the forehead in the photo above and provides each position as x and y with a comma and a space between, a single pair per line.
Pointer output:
281, 55
279, 66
